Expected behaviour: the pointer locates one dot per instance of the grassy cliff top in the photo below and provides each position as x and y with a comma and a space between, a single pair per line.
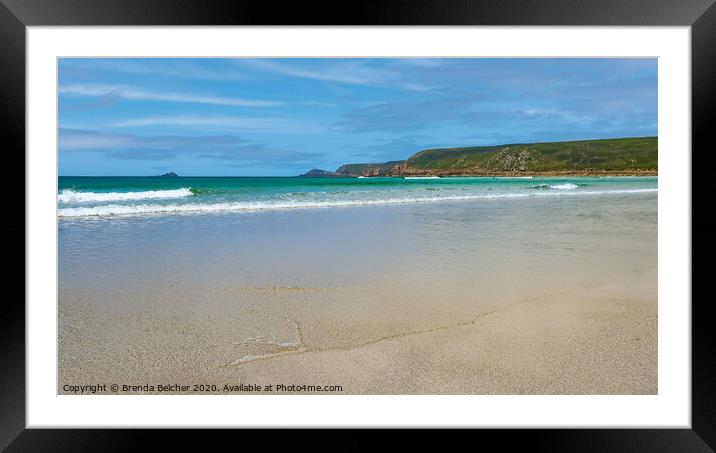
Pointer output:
638, 155
609, 154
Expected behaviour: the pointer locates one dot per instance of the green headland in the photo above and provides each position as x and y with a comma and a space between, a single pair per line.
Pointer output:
621, 156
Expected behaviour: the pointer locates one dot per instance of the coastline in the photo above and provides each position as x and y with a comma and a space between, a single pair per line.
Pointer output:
556, 173
624, 156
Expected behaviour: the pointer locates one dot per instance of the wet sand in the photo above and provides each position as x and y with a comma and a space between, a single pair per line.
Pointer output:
518, 297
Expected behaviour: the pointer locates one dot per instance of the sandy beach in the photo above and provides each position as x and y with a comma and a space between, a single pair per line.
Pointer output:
526, 296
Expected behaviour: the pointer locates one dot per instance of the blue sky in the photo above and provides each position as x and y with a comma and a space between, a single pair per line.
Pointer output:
285, 116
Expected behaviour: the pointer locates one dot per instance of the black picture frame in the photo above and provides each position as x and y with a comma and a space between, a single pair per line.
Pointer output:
16, 15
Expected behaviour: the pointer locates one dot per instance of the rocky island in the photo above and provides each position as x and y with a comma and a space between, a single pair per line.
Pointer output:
636, 156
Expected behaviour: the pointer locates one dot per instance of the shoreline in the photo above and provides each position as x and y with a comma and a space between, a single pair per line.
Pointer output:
218, 208
465, 298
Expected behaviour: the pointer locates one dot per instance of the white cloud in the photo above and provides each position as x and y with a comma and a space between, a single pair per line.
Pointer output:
170, 67
235, 123
162, 147
351, 72
70, 140
85, 140
138, 94
355, 72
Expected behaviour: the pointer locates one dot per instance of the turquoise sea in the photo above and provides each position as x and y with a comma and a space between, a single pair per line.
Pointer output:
92, 197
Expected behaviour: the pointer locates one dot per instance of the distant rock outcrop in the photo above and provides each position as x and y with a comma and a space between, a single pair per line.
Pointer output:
171, 174
318, 173
381, 169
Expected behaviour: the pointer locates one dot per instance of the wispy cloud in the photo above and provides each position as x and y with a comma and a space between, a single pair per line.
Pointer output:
423, 62
348, 72
532, 103
258, 152
89, 140
162, 147
396, 148
168, 67
235, 123
139, 94
354, 71
402, 116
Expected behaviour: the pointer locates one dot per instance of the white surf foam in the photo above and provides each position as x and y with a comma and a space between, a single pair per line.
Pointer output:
141, 209
565, 186
71, 196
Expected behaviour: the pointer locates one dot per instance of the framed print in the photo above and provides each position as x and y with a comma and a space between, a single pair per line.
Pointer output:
241, 218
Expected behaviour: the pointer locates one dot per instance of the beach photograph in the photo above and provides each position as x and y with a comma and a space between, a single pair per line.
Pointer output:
357, 226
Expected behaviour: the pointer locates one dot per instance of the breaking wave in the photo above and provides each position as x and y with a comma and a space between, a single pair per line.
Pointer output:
565, 186
251, 206
71, 196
